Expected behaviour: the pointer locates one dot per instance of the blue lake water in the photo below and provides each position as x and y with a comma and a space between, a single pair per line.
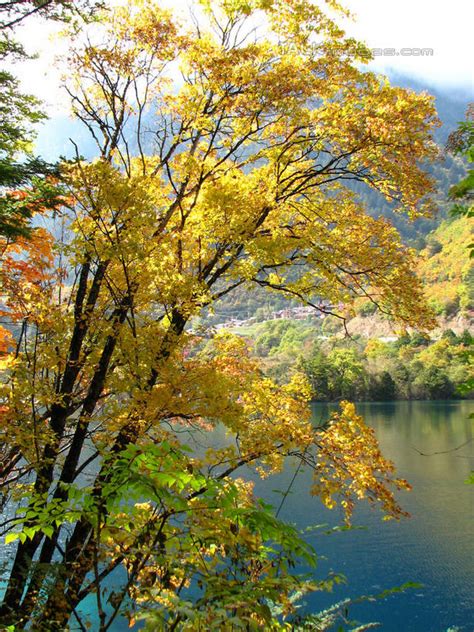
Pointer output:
434, 547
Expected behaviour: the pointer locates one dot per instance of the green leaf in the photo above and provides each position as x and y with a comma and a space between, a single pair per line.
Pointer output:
30, 531
11, 537
470, 479
48, 531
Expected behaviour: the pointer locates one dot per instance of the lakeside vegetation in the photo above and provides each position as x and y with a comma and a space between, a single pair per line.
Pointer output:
414, 366
409, 367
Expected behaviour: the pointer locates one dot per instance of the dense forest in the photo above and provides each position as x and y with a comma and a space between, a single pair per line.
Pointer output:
405, 367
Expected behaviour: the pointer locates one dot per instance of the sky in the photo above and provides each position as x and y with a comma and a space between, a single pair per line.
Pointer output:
442, 29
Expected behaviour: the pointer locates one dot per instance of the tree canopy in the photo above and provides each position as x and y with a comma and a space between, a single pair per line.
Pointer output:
235, 175
27, 183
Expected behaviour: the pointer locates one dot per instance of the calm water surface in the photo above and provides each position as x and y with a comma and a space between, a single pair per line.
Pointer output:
434, 547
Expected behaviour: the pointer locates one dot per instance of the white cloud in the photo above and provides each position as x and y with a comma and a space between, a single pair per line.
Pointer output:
445, 28
42, 76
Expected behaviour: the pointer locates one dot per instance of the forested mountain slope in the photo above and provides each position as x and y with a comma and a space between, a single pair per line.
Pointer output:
444, 264
446, 268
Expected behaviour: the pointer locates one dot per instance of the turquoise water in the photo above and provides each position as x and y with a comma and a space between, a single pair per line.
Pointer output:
434, 547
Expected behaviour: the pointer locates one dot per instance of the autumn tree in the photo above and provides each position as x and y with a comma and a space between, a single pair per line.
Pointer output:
237, 174
28, 185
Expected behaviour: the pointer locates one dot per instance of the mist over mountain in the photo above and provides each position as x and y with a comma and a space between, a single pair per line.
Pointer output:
450, 103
